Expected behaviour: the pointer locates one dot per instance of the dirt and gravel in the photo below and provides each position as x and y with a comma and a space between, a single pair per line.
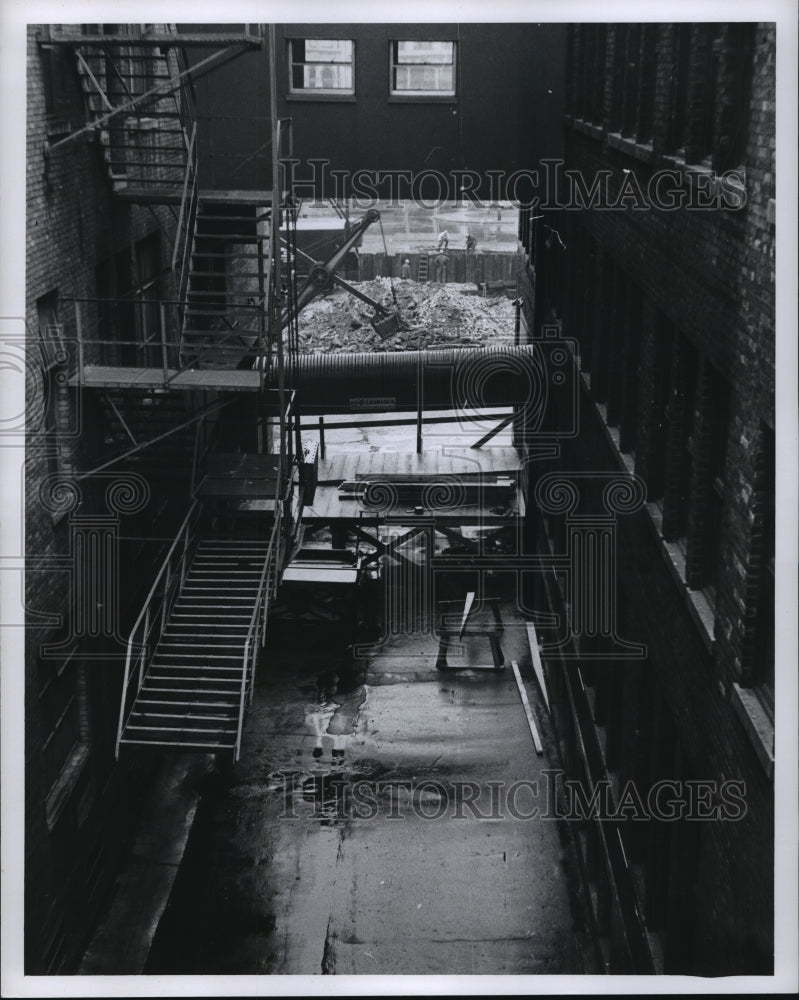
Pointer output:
430, 315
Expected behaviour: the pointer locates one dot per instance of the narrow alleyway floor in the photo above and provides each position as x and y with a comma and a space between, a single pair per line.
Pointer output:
341, 843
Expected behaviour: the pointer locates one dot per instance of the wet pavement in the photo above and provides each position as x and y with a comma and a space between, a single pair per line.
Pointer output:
371, 824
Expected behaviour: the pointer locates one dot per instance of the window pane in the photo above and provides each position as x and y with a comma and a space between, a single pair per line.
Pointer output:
423, 67
425, 52
323, 65
327, 77
327, 50
433, 78
50, 332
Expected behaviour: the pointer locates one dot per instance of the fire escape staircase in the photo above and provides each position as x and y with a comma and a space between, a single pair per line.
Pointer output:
192, 653
224, 315
146, 150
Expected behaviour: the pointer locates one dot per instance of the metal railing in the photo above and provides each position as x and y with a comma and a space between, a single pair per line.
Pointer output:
103, 328
204, 443
154, 614
184, 234
100, 323
256, 634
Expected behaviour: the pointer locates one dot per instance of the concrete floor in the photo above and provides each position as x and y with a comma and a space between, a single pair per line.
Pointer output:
285, 874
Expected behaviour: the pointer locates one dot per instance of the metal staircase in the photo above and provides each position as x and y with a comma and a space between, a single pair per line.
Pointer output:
224, 314
192, 654
146, 149
164, 363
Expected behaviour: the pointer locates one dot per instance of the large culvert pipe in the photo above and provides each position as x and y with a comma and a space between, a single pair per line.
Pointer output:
446, 379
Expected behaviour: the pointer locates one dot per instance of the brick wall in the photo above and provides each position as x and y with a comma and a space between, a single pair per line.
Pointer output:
706, 275
73, 844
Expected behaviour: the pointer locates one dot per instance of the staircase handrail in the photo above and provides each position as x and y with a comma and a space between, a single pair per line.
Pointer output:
187, 213
155, 610
259, 615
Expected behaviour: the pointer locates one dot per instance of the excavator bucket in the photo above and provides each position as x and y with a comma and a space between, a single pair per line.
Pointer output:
387, 326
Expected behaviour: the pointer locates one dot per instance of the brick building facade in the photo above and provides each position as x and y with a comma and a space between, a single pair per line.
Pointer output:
95, 262
663, 272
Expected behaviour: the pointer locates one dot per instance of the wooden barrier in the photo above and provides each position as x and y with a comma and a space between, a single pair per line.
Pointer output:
463, 267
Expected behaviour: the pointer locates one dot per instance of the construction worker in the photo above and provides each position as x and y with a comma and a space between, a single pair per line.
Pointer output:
441, 262
471, 242
405, 270
443, 240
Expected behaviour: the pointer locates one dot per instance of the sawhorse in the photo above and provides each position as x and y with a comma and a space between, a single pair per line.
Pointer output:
490, 630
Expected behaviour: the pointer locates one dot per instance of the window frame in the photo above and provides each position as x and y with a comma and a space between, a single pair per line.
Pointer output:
62, 115
318, 94
421, 96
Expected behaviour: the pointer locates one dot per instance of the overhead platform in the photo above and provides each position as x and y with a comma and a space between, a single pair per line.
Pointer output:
342, 465
112, 377
456, 486
240, 477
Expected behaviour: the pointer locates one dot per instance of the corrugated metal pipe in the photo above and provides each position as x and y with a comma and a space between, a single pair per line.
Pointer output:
451, 378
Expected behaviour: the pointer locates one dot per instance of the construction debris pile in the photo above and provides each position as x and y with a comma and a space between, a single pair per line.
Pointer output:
430, 315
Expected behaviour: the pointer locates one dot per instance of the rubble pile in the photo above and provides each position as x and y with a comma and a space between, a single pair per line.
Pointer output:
430, 315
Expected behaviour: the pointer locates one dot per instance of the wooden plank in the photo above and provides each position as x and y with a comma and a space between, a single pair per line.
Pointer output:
419, 463
466, 610
538, 668
539, 749
330, 469
457, 464
351, 462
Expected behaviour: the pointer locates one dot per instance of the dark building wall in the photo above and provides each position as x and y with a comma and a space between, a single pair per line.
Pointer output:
674, 314
506, 114
79, 806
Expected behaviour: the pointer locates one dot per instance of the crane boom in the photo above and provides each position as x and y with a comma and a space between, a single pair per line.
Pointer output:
321, 274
